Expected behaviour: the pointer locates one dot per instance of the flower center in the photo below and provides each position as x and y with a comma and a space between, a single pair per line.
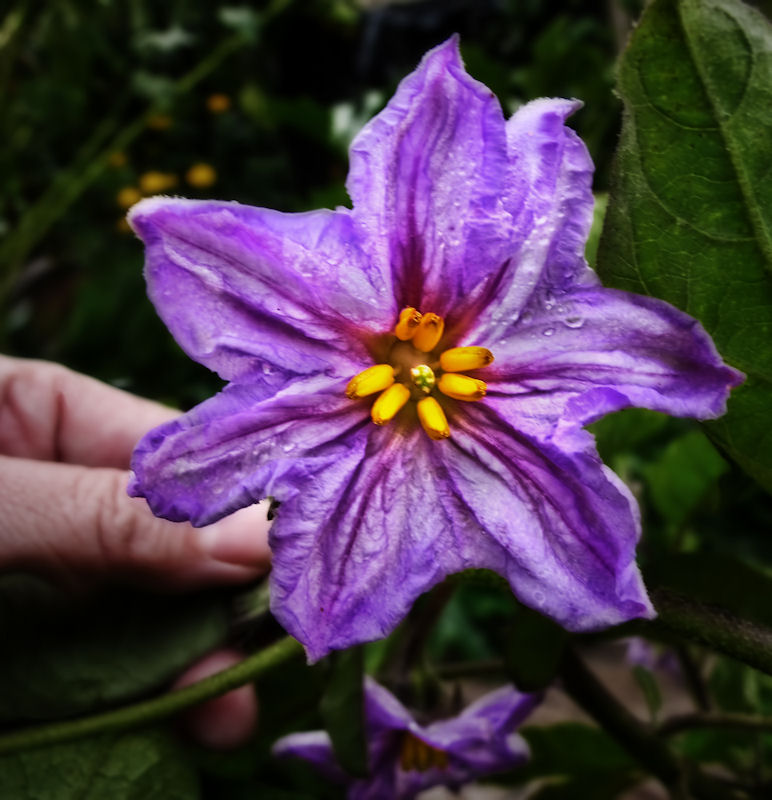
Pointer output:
416, 754
414, 372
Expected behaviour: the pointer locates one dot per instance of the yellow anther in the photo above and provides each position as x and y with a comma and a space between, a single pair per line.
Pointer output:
407, 325
429, 332
433, 418
389, 402
423, 377
461, 387
460, 359
372, 380
418, 755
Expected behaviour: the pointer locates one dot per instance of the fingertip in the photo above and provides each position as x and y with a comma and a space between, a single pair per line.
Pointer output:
228, 721
240, 539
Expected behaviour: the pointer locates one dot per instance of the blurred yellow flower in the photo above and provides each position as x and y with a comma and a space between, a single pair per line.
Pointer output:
128, 196
117, 159
159, 122
154, 182
201, 175
218, 103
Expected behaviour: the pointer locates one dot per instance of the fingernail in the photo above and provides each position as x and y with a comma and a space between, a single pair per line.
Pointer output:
241, 538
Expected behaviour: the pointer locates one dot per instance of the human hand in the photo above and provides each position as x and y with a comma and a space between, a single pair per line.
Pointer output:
65, 445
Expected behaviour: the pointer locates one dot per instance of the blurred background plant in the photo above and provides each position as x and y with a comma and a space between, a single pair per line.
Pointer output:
105, 102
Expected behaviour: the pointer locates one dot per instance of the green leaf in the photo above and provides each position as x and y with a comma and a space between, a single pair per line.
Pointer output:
534, 650
342, 709
690, 210
144, 765
63, 656
682, 476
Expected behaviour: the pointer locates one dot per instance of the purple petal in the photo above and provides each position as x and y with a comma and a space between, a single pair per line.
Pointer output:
314, 747
237, 448
427, 176
481, 740
577, 355
550, 200
244, 290
358, 543
566, 526
383, 710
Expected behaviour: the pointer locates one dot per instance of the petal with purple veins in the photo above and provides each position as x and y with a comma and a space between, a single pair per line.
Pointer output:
427, 175
566, 525
237, 448
244, 290
575, 356
550, 200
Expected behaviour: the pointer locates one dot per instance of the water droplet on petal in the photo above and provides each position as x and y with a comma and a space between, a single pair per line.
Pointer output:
267, 369
548, 331
573, 322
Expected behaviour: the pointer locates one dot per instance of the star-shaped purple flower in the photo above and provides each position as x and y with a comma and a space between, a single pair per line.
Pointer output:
406, 758
463, 253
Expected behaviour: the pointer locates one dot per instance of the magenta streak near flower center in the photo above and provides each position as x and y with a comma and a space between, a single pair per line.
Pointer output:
412, 374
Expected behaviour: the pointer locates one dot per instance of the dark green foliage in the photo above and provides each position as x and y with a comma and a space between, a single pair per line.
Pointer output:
141, 765
690, 211
64, 656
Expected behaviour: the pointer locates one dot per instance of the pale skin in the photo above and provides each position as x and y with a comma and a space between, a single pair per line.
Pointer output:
65, 445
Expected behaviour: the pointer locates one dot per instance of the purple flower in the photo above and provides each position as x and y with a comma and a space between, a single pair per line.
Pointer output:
466, 232
406, 758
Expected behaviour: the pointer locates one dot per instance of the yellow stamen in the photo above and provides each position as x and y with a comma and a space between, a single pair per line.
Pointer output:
409, 319
433, 418
372, 380
423, 378
429, 332
389, 402
461, 387
418, 755
460, 359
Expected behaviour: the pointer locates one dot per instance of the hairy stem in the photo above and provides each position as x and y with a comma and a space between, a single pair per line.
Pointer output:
158, 708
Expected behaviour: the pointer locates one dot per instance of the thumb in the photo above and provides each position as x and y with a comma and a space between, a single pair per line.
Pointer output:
76, 521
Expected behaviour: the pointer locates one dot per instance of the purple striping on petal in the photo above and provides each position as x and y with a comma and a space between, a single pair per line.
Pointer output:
483, 222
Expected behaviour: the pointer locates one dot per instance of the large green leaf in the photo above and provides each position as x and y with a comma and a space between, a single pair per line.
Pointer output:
64, 656
690, 211
132, 766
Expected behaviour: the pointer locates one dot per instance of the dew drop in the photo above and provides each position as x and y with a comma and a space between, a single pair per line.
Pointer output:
573, 322
548, 331
526, 317
267, 369
539, 598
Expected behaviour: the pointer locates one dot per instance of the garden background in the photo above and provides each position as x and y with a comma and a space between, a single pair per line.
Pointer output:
104, 102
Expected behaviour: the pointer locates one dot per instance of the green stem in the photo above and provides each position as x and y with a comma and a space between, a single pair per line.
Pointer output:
718, 628
686, 722
158, 708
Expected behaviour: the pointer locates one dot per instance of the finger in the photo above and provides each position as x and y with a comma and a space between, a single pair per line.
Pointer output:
73, 521
227, 721
50, 413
